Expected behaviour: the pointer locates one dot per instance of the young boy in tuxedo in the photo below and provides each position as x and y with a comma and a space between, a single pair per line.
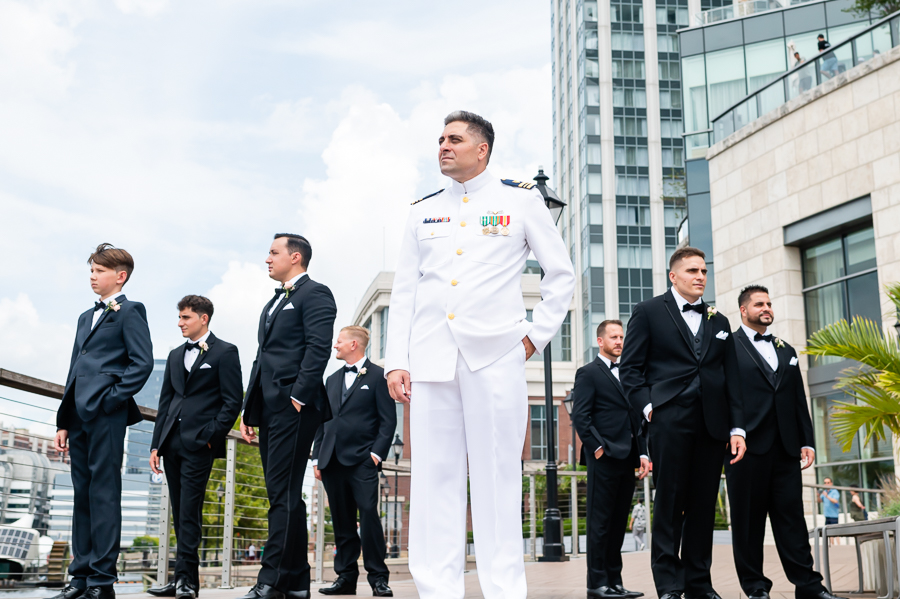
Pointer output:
111, 361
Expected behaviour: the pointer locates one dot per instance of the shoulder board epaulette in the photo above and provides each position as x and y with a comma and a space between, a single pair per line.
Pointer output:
514, 183
431, 195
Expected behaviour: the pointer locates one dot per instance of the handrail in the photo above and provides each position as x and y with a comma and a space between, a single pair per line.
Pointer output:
780, 80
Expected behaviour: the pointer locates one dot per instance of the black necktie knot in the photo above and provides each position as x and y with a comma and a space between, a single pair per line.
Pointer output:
613, 365
698, 308
349, 369
761, 337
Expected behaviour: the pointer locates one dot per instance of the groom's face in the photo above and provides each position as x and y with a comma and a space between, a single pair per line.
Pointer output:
279, 260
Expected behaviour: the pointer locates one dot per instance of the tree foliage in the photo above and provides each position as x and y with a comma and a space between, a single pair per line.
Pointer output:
879, 8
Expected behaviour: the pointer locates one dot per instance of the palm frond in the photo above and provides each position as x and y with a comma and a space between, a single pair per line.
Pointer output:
892, 290
876, 412
862, 340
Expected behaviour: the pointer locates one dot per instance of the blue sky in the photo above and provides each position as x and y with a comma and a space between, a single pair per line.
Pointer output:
190, 132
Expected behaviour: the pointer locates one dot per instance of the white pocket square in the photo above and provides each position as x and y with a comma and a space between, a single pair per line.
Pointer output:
794, 361
723, 335
364, 387
202, 366
288, 307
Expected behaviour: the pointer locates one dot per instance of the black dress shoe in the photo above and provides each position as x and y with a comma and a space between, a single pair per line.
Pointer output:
605, 593
69, 592
341, 586
185, 590
263, 591
626, 592
671, 595
297, 594
381, 589
167, 590
823, 594
709, 595
104, 592
759, 594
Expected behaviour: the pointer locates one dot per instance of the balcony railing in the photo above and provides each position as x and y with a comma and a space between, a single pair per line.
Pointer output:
742, 8
234, 515
876, 39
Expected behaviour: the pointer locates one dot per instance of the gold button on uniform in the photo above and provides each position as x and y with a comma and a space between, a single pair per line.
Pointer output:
454, 282
465, 200
459, 252
462, 224
451, 316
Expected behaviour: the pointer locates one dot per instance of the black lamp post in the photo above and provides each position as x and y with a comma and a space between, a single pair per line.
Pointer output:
553, 547
398, 451
220, 493
385, 493
569, 403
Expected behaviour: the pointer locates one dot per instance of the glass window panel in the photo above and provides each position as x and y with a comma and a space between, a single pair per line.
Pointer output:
594, 183
841, 11
765, 61
725, 76
804, 18
595, 210
693, 73
771, 98
860, 248
833, 62
824, 306
862, 295
726, 35
590, 10
691, 42
590, 39
592, 95
596, 255
593, 153
592, 124
801, 80
823, 263
764, 27
877, 42
592, 68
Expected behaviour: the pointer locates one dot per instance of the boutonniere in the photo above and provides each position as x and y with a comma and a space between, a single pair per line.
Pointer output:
287, 290
112, 305
362, 371
710, 312
203, 346
778, 342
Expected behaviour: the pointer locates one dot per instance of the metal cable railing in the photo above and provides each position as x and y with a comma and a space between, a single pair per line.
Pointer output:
875, 39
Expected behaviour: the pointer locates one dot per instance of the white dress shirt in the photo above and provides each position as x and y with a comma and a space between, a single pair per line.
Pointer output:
349, 377
615, 373
192, 352
765, 348
693, 321
292, 281
105, 300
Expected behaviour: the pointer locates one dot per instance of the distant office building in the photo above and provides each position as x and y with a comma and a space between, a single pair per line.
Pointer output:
25, 478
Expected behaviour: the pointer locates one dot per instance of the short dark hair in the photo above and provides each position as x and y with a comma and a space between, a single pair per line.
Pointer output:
197, 303
478, 125
109, 256
685, 252
601, 328
749, 290
299, 244
821, 35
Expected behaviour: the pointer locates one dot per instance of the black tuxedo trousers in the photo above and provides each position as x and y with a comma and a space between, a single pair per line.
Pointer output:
609, 494
770, 484
353, 489
187, 472
687, 464
285, 439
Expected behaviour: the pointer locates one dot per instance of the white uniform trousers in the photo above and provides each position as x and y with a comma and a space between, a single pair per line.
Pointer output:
482, 414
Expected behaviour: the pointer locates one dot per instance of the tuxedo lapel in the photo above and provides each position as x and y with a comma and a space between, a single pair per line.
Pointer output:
179, 374
353, 387
678, 319
84, 327
284, 300
210, 341
336, 387
707, 324
100, 320
784, 362
605, 369
747, 346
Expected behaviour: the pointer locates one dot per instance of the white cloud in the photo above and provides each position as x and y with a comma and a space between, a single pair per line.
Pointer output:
30, 345
239, 300
148, 8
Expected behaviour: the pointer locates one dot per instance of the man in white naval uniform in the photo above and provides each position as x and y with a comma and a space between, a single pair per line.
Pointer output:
458, 337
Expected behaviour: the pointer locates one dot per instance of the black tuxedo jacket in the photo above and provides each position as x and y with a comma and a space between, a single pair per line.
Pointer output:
293, 352
207, 399
603, 416
110, 364
775, 403
363, 424
658, 363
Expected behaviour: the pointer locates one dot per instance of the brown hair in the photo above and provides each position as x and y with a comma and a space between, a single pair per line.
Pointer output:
197, 303
361, 334
297, 244
601, 328
685, 252
109, 256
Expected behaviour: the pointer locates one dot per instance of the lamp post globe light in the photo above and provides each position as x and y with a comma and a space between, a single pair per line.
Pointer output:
553, 548
398, 452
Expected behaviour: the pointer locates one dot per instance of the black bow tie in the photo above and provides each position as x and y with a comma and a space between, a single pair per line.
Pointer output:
613, 365
759, 337
349, 369
189, 345
99, 306
698, 308
279, 290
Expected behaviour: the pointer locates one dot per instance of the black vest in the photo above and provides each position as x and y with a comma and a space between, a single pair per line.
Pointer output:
692, 392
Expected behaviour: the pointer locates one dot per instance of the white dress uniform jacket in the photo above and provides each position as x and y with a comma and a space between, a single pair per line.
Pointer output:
458, 291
